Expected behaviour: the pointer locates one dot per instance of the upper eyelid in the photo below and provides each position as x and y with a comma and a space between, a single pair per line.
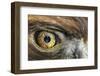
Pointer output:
37, 25
50, 27
40, 25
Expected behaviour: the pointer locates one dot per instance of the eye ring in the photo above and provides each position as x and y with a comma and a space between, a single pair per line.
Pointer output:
54, 41
46, 40
33, 43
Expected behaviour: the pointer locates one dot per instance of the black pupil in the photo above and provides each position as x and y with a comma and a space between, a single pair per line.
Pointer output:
47, 39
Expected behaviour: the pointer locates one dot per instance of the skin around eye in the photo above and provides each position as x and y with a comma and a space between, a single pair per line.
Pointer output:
47, 38
38, 44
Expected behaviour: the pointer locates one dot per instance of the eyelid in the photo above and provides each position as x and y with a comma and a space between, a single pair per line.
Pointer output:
50, 27
44, 25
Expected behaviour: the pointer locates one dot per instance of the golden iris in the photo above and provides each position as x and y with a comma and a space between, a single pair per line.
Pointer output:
46, 39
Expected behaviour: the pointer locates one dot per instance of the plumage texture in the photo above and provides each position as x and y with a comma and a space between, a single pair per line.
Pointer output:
73, 35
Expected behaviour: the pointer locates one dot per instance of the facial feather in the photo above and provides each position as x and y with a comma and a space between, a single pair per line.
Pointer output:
75, 46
